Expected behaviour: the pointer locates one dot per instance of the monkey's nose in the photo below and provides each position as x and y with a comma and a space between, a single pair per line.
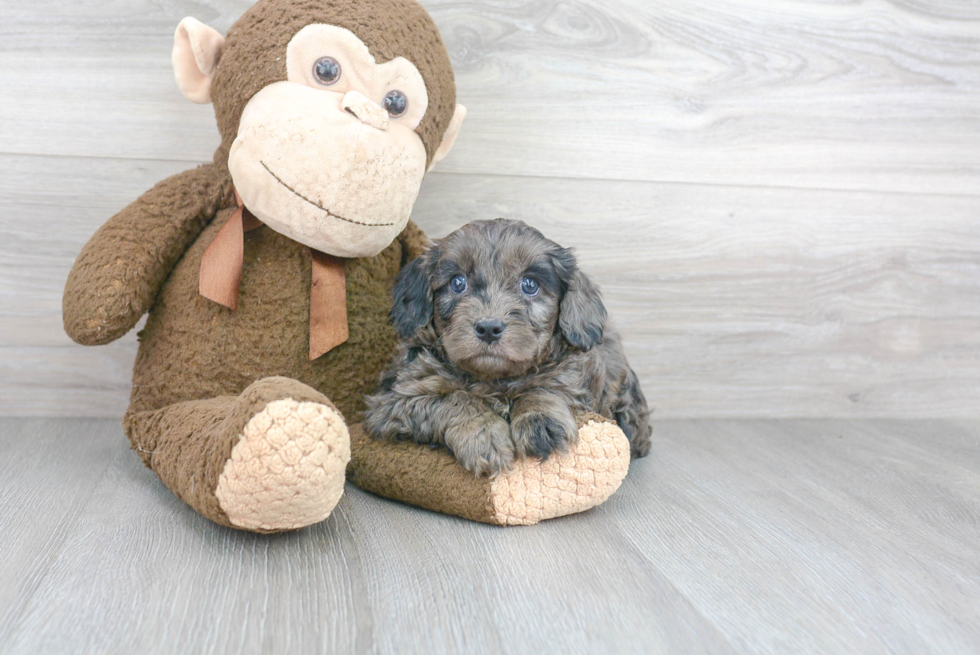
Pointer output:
489, 329
369, 113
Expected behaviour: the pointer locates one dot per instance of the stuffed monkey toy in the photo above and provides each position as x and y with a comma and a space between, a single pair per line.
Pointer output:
267, 277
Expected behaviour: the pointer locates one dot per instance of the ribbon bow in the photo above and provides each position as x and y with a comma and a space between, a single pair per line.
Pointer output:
221, 275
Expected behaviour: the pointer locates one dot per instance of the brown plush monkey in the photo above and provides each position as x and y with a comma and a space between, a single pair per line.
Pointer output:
267, 277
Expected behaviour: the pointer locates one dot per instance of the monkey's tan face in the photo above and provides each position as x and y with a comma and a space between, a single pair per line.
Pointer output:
330, 157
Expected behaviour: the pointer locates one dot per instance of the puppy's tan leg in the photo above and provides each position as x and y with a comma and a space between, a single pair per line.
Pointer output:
530, 492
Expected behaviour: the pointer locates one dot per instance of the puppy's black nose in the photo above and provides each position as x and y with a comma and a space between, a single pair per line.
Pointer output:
489, 329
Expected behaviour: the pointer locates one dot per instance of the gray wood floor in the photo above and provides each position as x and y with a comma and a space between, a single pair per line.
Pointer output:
755, 536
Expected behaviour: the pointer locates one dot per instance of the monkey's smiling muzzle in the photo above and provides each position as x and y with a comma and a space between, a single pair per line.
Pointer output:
318, 167
317, 204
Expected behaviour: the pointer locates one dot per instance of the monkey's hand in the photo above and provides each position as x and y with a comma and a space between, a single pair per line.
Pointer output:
119, 272
541, 423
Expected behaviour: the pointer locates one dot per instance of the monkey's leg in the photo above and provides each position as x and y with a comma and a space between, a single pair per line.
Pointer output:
530, 492
268, 460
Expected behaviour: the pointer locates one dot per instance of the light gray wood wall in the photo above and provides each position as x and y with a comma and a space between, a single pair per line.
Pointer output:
780, 198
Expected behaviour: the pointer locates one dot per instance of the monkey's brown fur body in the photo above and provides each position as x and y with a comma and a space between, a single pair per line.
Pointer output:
214, 387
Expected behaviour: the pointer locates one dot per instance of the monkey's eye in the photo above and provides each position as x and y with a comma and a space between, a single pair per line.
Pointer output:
530, 286
396, 103
458, 284
327, 71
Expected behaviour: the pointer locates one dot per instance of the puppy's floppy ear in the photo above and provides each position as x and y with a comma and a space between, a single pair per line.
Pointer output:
581, 314
413, 297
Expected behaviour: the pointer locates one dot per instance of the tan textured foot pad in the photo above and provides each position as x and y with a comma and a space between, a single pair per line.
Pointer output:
565, 484
287, 470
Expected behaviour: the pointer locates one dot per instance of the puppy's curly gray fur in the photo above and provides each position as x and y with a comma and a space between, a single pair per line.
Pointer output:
490, 399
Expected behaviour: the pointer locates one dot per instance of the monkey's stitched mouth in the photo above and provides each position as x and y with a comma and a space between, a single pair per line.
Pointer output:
318, 205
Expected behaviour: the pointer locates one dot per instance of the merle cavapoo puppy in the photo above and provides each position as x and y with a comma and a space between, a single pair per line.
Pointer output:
504, 340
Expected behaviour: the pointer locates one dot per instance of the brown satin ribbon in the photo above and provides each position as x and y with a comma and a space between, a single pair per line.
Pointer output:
221, 275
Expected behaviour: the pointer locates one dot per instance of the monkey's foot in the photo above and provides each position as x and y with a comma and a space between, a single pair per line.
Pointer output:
532, 491
565, 483
287, 469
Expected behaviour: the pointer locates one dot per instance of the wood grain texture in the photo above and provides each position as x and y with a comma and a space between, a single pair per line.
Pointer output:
780, 199
844, 95
50, 470
846, 519
733, 301
733, 536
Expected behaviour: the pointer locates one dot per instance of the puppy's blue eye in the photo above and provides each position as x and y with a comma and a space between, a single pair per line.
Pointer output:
530, 286
458, 284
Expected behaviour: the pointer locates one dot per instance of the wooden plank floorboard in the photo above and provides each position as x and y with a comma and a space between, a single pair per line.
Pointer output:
567, 585
141, 573
733, 536
851, 520
49, 470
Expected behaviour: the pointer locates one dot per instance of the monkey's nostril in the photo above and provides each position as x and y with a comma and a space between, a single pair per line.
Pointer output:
489, 330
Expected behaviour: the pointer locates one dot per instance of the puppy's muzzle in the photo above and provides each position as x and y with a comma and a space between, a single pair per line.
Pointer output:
489, 330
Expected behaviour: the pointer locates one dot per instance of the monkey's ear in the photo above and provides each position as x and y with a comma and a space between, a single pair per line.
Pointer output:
197, 49
581, 314
413, 298
449, 138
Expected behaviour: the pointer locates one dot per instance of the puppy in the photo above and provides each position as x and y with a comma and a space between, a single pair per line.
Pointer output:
505, 339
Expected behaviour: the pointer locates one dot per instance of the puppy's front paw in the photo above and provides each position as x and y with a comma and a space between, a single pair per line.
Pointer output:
482, 445
538, 435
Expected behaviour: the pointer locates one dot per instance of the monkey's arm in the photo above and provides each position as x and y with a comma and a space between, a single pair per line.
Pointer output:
119, 272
